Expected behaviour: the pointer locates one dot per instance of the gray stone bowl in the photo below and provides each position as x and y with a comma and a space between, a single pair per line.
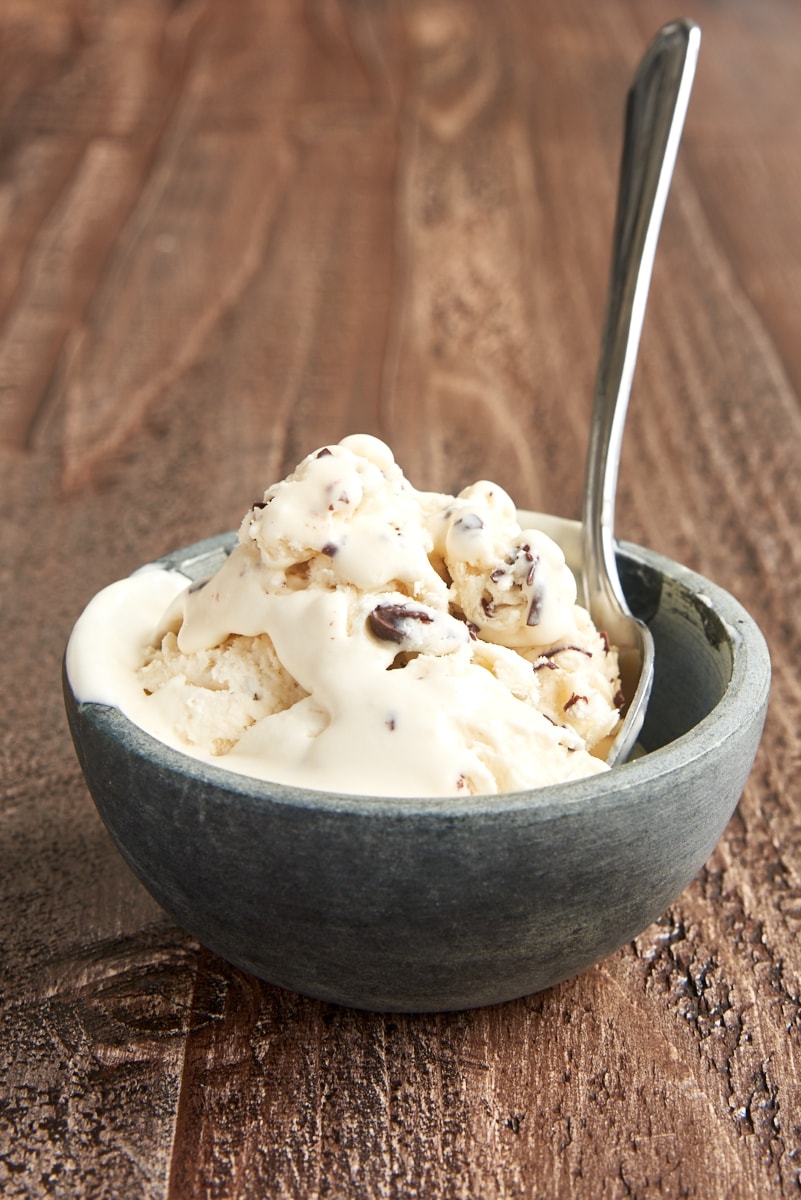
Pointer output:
442, 904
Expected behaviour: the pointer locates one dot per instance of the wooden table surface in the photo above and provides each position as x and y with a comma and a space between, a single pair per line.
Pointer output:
234, 230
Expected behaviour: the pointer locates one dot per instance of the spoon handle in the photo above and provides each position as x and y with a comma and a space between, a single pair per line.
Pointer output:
655, 111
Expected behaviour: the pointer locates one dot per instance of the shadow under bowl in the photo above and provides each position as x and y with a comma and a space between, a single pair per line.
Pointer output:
444, 904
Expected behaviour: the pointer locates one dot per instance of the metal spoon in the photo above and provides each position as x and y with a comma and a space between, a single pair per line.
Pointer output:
655, 111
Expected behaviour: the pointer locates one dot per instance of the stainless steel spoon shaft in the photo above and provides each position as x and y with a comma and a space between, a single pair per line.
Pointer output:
656, 108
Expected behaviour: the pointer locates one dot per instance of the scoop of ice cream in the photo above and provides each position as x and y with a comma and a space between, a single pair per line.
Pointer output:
347, 515
367, 637
210, 696
512, 584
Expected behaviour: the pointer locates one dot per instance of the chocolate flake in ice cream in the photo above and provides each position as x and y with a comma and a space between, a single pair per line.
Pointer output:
364, 637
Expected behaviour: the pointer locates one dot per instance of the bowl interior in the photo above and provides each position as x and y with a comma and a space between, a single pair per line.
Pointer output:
694, 651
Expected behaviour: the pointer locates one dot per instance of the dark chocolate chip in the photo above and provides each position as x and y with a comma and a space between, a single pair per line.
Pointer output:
574, 699
535, 608
329, 549
387, 621
322, 453
469, 522
561, 650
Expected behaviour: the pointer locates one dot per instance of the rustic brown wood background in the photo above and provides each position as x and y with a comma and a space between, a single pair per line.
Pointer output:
230, 231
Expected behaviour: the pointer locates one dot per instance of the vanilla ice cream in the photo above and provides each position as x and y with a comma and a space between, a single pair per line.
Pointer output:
364, 637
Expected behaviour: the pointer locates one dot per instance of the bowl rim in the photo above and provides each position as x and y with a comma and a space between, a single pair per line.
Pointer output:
745, 695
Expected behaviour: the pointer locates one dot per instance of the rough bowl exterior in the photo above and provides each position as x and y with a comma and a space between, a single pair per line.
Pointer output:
442, 904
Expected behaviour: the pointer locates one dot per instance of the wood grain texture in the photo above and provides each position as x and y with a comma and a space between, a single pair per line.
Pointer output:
231, 231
